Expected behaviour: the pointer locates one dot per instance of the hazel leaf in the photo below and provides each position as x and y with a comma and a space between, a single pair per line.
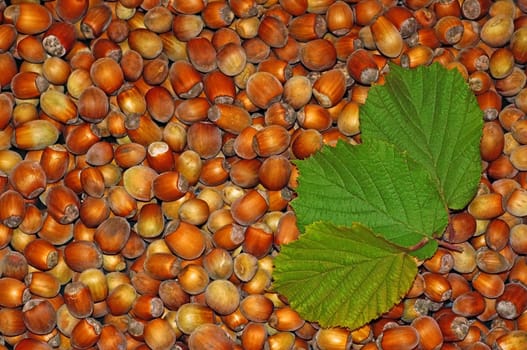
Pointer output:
342, 276
376, 185
430, 113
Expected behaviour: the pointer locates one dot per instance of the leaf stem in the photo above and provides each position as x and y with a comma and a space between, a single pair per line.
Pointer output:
419, 244
450, 246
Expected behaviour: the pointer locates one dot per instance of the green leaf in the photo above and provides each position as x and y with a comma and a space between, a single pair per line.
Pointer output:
376, 185
342, 276
431, 113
